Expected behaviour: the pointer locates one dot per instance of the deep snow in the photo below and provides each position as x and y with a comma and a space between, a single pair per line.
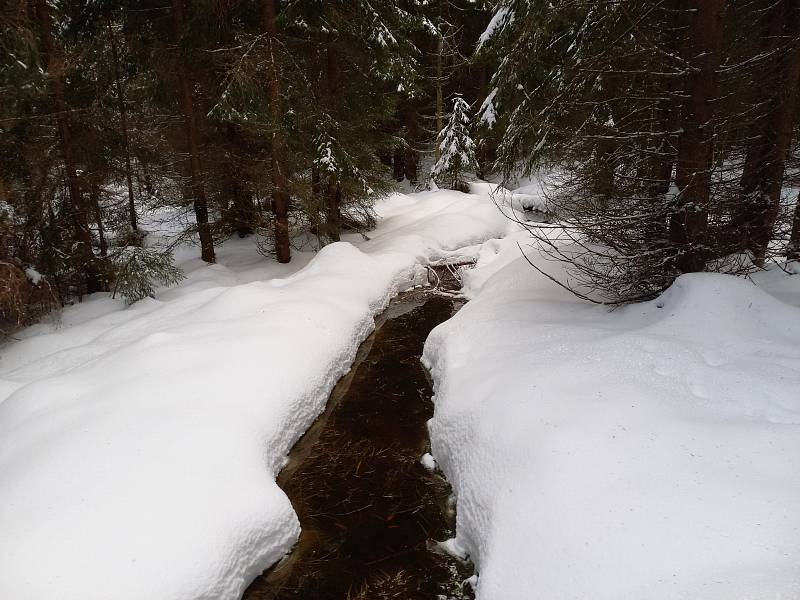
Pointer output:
139, 446
652, 452
647, 453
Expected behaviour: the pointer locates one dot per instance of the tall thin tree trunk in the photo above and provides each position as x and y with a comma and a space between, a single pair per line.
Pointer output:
778, 131
439, 82
80, 222
190, 125
482, 150
399, 163
242, 208
333, 196
669, 114
147, 180
689, 219
123, 118
793, 250
412, 134
280, 195
98, 216
316, 185
748, 224
604, 186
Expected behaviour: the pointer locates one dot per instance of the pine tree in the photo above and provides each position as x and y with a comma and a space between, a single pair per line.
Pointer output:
647, 116
763, 172
187, 103
456, 148
274, 118
688, 226
280, 195
54, 65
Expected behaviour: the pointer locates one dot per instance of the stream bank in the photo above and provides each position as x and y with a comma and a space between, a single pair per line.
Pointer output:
370, 512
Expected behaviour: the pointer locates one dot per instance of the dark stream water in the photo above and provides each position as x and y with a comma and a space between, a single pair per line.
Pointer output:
370, 512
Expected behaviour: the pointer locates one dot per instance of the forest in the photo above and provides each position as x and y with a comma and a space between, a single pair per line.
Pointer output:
668, 128
413, 299
257, 119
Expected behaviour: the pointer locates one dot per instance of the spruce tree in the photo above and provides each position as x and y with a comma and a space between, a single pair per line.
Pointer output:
456, 148
645, 116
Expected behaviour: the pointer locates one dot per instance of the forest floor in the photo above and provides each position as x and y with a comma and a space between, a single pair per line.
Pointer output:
651, 452
139, 446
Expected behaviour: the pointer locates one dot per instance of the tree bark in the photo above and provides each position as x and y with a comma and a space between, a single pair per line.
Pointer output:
280, 195
669, 116
333, 210
241, 209
778, 132
316, 185
750, 227
78, 213
123, 118
333, 196
688, 225
399, 163
190, 125
437, 153
412, 133
98, 216
793, 250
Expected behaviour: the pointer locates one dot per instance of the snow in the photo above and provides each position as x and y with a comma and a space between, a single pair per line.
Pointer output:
33, 275
487, 113
139, 446
457, 149
502, 18
652, 452
647, 453
428, 462
531, 194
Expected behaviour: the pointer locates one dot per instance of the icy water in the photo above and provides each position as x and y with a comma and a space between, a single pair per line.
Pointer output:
370, 512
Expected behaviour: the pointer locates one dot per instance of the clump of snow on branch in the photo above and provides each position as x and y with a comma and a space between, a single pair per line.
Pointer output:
501, 19
325, 160
487, 114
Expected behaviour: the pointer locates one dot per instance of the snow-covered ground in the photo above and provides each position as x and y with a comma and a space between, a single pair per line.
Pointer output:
652, 452
139, 446
648, 453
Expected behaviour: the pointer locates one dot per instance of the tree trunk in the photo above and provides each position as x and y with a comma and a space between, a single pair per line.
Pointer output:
778, 132
242, 209
280, 195
80, 223
750, 224
316, 185
399, 163
98, 216
482, 150
439, 76
190, 125
333, 210
793, 250
689, 220
333, 196
668, 119
412, 133
149, 188
123, 117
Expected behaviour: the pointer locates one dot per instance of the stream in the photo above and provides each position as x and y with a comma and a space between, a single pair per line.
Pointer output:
370, 512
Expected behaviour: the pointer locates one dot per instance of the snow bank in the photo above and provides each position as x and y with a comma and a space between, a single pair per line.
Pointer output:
648, 453
139, 446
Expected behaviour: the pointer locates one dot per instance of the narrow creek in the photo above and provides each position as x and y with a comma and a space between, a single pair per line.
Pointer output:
370, 512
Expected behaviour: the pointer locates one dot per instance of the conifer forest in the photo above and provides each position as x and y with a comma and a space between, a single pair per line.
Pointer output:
414, 299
